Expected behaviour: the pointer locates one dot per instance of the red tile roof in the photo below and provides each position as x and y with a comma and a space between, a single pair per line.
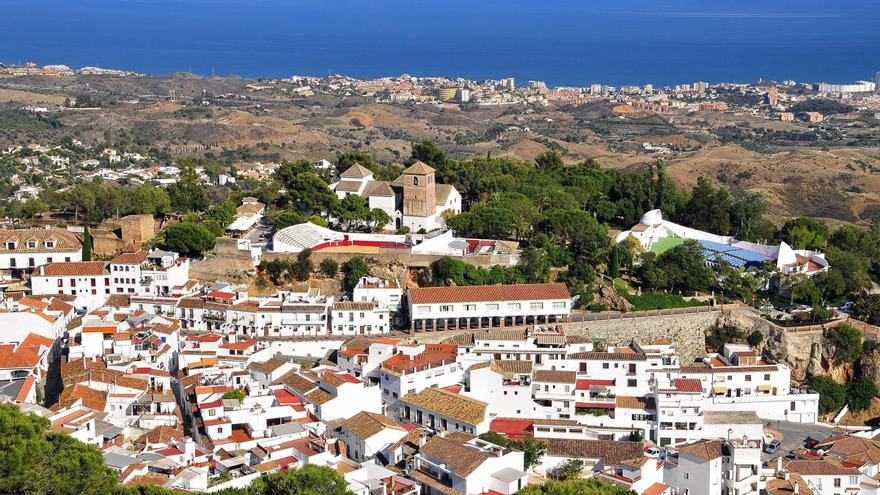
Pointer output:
585, 384
511, 427
79, 268
482, 293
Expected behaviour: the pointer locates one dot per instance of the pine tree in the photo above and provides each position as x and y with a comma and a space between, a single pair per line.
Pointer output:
87, 244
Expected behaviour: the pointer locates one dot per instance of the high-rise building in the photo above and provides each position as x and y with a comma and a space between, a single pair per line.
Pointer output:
771, 97
877, 79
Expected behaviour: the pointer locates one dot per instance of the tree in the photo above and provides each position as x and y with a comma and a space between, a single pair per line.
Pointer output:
832, 395
377, 219
568, 470
354, 269
310, 479
755, 338
188, 238
33, 207
309, 194
234, 394
846, 341
87, 244
860, 392
804, 233
428, 153
549, 161
830, 284
534, 265
591, 486
351, 210
868, 309
36, 460
286, 218
533, 450
187, 193
708, 208
496, 438
302, 268
329, 267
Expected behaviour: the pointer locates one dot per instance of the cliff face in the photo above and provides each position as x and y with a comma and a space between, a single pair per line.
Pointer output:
808, 353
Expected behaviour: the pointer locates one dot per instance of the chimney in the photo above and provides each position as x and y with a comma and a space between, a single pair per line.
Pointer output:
779, 464
797, 488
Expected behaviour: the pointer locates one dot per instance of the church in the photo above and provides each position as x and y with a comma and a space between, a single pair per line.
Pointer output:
414, 200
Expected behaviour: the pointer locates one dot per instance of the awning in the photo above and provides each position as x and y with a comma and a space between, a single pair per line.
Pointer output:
765, 388
720, 390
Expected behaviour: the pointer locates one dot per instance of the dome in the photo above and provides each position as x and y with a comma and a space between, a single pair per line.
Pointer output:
652, 217
295, 238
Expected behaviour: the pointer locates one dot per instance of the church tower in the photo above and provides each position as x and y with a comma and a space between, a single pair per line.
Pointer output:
419, 191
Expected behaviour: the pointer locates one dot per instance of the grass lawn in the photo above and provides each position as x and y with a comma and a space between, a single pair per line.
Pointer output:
661, 300
664, 244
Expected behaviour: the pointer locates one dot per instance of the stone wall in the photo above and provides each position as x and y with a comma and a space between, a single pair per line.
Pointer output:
686, 331
400, 257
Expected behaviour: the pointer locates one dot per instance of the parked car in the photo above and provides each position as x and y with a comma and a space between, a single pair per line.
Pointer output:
846, 307
766, 308
652, 451
811, 442
803, 308
772, 446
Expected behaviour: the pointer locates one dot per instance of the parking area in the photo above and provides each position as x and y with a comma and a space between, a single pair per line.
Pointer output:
794, 435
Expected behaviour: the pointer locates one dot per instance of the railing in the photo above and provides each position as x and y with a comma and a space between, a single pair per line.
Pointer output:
616, 315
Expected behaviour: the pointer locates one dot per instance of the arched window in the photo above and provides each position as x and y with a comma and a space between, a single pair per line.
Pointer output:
415, 181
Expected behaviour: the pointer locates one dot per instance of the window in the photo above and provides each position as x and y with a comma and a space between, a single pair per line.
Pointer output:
415, 181
11, 262
30, 262
423, 309
515, 306
445, 308
50, 244
11, 245
605, 366
767, 376
837, 482
492, 307
536, 305
559, 305
631, 382
470, 307
31, 244
748, 378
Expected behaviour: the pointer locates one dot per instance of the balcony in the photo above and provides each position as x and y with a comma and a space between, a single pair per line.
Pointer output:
213, 316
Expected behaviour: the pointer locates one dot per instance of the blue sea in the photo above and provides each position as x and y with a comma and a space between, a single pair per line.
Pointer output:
562, 42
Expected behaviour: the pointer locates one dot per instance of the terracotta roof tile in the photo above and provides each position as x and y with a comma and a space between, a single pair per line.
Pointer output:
482, 293
466, 409
81, 268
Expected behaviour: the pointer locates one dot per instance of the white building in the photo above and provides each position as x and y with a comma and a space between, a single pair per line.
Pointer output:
471, 468
158, 273
369, 436
385, 293
479, 306
88, 281
716, 466
657, 234
22, 250
359, 318
441, 410
416, 367
414, 200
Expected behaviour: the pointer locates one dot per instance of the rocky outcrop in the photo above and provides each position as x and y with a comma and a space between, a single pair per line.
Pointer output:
607, 296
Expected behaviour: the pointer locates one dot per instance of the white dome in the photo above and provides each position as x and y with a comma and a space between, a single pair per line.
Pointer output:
295, 238
652, 217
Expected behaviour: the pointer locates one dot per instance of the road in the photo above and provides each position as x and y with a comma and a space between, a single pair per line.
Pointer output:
794, 435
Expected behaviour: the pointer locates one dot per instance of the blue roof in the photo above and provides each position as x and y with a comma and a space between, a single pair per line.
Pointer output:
736, 257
